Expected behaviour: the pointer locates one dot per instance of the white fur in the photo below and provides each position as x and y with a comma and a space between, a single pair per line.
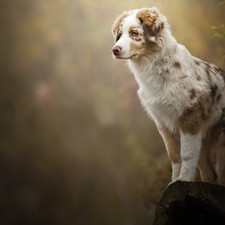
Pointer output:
165, 96
190, 150
175, 170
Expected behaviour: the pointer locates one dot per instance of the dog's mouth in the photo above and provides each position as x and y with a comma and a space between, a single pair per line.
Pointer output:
128, 57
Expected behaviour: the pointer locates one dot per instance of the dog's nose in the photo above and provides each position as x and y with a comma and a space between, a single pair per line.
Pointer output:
116, 50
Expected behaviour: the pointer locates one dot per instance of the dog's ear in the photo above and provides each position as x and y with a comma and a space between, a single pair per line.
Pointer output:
152, 22
117, 23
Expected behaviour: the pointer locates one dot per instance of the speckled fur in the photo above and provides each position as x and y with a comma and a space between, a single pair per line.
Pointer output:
184, 95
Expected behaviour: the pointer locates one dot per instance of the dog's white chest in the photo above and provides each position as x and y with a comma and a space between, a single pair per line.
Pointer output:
164, 95
163, 109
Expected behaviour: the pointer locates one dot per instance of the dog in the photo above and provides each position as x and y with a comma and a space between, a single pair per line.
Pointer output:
184, 96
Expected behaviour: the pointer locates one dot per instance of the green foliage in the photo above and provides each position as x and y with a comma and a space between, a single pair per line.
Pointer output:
219, 31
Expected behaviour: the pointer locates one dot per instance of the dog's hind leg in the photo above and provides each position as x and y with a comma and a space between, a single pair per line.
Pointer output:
205, 164
221, 160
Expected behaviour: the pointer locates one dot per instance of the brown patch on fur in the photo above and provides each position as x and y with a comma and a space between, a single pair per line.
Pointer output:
207, 70
138, 39
211, 71
185, 76
148, 18
118, 21
197, 62
207, 65
135, 37
177, 65
143, 49
205, 106
148, 31
192, 94
218, 98
145, 16
191, 120
172, 144
199, 78
214, 90
132, 29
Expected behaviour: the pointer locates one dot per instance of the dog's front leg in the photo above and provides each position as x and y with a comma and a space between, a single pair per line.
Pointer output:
190, 150
172, 143
190, 124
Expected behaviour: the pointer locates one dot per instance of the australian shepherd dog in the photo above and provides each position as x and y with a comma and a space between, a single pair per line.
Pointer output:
183, 95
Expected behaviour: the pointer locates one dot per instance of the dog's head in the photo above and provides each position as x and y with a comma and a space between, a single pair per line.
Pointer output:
138, 33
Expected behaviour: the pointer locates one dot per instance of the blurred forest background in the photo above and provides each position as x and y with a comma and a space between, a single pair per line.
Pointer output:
76, 147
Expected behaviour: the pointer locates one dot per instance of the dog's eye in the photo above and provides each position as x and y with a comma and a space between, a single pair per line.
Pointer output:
133, 33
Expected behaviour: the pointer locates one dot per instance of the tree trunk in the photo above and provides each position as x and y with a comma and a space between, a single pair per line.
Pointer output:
191, 203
